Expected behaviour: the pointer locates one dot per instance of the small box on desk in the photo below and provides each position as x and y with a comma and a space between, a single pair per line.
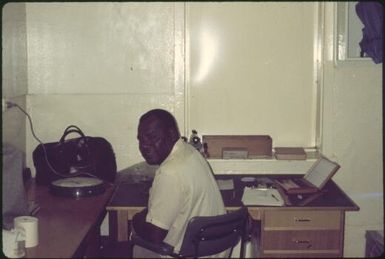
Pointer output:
235, 146
290, 153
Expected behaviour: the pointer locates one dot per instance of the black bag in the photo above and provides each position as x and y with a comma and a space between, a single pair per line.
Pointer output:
84, 155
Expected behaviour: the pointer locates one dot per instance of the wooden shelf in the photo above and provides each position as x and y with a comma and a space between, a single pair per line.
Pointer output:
260, 166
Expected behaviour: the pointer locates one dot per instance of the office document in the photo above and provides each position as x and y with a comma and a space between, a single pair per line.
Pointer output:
262, 196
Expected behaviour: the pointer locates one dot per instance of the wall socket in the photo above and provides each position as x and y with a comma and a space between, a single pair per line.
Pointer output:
5, 104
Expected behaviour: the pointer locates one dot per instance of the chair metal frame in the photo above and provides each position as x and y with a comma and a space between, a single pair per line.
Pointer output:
205, 236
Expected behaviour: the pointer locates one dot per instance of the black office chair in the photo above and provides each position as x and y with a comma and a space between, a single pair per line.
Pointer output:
205, 236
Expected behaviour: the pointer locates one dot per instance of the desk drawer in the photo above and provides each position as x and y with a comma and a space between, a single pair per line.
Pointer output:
305, 240
302, 220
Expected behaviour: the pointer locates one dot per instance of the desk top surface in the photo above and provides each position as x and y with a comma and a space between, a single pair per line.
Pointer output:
64, 222
135, 194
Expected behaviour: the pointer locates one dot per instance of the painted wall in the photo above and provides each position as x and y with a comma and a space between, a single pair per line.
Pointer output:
352, 135
251, 70
119, 70
100, 66
14, 74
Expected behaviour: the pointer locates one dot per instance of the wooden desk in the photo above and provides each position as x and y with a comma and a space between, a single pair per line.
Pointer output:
313, 230
68, 227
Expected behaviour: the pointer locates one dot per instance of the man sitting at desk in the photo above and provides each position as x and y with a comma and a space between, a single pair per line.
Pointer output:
183, 187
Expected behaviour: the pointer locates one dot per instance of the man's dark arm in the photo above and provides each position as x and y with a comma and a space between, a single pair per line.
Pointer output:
147, 230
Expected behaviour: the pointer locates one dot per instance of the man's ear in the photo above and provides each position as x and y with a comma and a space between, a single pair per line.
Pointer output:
174, 135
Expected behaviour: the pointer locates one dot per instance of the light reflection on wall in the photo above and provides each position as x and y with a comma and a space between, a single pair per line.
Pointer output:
367, 195
208, 49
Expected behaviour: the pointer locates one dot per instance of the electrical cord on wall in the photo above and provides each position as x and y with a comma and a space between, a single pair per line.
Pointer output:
10, 105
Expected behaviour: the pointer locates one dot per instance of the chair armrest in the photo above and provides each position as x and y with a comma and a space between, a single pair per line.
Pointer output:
162, 248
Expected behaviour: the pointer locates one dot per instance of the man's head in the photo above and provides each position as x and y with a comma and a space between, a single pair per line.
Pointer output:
157, 134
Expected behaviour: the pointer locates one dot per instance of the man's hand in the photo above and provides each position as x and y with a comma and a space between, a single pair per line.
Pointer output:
147, 230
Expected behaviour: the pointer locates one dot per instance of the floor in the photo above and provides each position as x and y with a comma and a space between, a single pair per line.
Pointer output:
113, 249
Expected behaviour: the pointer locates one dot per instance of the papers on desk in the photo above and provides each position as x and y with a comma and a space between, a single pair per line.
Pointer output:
262, 196
225, 185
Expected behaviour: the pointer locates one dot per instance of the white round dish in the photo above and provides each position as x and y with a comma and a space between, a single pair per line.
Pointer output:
77, 187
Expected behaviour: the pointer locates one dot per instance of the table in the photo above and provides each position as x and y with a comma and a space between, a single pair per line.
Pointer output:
68, 227
310, 230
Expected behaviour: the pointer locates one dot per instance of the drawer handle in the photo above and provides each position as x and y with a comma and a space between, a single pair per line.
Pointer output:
301, 220
303, 242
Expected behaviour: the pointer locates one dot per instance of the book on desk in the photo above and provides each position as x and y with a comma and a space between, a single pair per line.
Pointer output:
313, 181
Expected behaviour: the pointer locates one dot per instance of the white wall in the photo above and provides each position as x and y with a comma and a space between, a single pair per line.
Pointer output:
251, 70
100, 66
92, 65
352, 135
14, 73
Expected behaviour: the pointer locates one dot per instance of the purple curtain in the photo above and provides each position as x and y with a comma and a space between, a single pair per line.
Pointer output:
371, 15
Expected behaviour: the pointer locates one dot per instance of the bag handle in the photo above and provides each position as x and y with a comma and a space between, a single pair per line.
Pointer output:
72, 129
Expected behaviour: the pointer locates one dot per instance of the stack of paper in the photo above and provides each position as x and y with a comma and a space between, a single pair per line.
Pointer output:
262, 196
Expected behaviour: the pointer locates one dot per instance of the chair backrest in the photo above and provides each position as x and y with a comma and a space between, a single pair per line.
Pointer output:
210, 235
